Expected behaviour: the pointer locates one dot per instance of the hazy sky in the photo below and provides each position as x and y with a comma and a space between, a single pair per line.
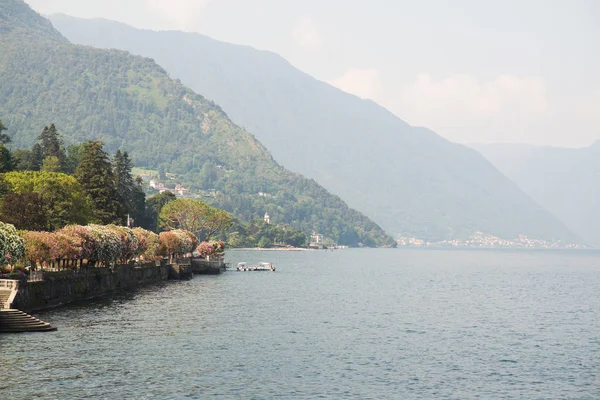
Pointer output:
472, 70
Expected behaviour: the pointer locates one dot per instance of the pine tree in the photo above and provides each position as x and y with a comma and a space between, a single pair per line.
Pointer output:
37, 159
6, 161
51, 145
124, 182
138, 210
4, 138
96, 176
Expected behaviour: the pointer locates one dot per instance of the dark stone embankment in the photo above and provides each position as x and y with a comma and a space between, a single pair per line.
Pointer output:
55, 289
60, 288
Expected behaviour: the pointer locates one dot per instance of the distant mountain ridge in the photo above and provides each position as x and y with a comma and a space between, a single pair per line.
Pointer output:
564, 180
131, 103
409, 180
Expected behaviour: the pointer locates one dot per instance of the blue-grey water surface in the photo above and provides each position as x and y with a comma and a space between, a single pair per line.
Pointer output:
360, 324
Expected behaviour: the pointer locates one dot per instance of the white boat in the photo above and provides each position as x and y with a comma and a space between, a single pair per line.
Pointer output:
263, 266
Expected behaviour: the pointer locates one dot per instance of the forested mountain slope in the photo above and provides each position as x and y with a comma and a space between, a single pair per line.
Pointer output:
565, 181
409, 180
131, 103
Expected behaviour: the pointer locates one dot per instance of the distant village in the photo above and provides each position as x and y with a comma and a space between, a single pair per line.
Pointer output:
170, 184
481, 240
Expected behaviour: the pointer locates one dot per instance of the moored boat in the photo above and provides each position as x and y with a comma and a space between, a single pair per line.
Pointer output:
263, 266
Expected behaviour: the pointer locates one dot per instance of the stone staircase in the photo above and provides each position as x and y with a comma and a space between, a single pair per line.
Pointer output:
4, 296
18, 321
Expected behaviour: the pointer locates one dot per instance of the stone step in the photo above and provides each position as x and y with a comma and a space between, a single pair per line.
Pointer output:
4, 295
18, 321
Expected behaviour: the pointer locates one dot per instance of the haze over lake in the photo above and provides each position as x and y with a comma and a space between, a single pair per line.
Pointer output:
333, 324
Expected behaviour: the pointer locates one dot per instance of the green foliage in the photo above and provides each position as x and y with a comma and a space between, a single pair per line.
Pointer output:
4, 138
6, 160
154, 206
52, 164
97, 179
65, 201
124, 183
26, 210
27, 160
52, 149
131, 104
257, 233
74, 153
194, 216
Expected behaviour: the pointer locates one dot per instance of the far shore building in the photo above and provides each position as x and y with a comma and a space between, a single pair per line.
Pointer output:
316, 238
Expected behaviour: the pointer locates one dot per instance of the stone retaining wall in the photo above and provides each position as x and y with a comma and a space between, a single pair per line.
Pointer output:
59, 288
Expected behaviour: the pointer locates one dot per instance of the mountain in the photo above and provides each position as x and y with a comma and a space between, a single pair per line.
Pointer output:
130, 103
565, 181
409, 180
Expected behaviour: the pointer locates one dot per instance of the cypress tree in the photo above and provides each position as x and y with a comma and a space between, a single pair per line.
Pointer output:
95, 174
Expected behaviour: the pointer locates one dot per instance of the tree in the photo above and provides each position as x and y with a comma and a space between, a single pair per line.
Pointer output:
216, 220
97, 179
6, 161
25, 211
138, 210
25, 160
194, 216
154, 205
265, 242
52, 146
74, 153
65, 201
124, 183
51, 164
4, 138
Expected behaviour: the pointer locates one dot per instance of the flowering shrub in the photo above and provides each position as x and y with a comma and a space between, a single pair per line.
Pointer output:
147, 243
211, 249
40, 247
94, 243
177, 242
108, 243
129, 242
82, 242
205, 249
12, 246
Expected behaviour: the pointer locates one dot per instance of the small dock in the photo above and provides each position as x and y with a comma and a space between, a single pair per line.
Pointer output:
260, 267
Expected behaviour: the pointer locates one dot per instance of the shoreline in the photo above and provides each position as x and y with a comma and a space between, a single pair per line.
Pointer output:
269, 249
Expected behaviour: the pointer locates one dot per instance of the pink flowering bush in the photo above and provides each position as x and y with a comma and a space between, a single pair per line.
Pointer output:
177, 242
215, 249
148, 243
39, 247
82, 242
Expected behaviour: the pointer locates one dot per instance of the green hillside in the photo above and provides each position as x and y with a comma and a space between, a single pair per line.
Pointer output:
409, 180
130, 103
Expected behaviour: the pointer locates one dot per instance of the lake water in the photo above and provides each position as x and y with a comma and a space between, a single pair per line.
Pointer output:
345, 324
